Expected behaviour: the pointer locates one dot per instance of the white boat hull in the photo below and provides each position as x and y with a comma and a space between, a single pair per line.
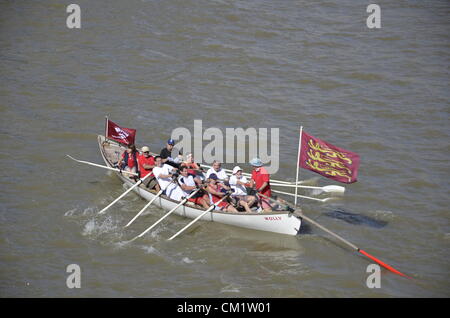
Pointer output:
281, 222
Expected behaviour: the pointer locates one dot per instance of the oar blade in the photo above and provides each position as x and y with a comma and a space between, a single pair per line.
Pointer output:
334, 189
388, 267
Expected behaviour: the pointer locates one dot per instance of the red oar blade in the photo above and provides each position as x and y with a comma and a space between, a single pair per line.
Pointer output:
382, 263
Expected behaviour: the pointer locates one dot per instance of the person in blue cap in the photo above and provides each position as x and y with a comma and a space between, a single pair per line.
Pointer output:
166, 154
260, 181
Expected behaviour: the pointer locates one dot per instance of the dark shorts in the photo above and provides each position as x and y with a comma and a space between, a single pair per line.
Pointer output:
150, 182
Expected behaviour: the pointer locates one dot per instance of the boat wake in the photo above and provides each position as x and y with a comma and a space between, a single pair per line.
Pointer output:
96, 227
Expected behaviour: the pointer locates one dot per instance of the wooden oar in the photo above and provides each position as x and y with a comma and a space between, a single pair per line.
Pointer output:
300, 213
124, 194
328, 188
199, 217
101, 166
304, 196
166, 215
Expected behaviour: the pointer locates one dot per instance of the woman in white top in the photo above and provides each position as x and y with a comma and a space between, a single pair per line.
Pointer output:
238, 182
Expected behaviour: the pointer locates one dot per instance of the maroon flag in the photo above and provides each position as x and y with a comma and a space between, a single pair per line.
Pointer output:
121, 134
328, 160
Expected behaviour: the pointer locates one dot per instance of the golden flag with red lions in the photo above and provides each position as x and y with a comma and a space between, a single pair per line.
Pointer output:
328, 160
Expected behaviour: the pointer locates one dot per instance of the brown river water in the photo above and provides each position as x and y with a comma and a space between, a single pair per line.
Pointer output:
157, 65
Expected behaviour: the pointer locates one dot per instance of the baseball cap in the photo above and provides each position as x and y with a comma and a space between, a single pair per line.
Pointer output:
236, 169
171, 142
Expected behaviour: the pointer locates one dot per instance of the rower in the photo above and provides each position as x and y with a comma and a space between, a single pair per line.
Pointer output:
194, 168
216, 192
261, 182
238, 183
188, 184
129, 160
146, 163
166, 154
190, 164
164, 175
218, 171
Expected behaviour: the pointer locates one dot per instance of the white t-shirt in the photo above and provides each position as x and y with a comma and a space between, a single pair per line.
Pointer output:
165, 169
189, 181
239, 189
173, 190
221, 174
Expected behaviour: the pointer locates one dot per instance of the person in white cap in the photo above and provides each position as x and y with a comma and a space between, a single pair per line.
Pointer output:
261, 182
146, 163
238, 183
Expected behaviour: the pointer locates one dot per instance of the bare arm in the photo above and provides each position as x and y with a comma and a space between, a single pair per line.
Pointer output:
248, 184
212, 191
148, 167
187, 188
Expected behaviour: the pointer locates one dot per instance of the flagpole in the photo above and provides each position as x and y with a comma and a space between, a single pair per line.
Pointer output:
298, 164
106, 127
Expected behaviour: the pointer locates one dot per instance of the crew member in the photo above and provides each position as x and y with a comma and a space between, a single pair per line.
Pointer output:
166, 154
216, 192
164, 175
188, 184
146, 163
261, 182
129, 160
238, 183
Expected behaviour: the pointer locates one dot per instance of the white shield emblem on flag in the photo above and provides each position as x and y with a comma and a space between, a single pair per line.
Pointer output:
121, 133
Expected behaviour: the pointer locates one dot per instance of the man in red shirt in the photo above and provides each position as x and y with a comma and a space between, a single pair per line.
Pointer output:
261, 182
146, 164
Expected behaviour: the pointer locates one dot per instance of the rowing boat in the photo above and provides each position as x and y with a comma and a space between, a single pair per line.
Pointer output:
277, 221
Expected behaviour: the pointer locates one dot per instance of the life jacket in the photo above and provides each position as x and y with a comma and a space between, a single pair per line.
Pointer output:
125, 160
